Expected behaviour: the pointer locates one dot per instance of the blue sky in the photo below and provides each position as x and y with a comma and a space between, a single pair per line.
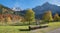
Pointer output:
24, 4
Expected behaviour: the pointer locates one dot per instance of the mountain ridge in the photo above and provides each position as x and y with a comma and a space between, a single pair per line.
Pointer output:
40, 10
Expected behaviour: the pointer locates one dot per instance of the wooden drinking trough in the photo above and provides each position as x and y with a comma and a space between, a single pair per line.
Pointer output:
37, 27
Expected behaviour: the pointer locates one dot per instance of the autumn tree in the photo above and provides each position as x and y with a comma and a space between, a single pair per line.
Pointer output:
8, 18
47, 16
56, 17
30, 15
1, 18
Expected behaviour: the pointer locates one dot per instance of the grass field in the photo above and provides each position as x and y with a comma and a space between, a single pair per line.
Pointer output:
16, 29
13, 29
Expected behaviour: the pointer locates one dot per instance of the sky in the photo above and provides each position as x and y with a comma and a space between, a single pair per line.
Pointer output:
25, 4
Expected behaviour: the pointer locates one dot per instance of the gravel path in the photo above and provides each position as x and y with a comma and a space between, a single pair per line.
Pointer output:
39, 31
35, 31
55, 31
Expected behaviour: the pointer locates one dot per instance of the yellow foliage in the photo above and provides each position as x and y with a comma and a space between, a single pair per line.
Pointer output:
56, 17
48, 16
8, 19
30, 15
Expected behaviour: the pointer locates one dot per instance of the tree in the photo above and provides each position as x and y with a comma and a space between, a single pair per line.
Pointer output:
8, 19
56, 17
48, 16
30, 15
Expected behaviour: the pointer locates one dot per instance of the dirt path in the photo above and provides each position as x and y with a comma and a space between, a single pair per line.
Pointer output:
41, 31
38, 30
35, 31
55, 31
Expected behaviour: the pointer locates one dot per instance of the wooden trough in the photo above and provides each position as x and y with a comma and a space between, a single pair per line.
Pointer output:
37, 27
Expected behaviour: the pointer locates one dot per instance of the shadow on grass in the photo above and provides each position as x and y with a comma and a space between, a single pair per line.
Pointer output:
33, 28
24, 30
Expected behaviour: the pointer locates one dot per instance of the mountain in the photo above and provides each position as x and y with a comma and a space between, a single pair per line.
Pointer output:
22, 13
16, 9
39, 10
5, 10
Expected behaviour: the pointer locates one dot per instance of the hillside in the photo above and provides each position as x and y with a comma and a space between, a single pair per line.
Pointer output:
8, 15
5, 10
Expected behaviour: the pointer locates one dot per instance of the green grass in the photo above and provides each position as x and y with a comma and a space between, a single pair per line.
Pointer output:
16, 29
54, 24
13, 29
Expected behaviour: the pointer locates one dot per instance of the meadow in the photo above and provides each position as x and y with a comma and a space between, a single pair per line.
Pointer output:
17, 29
13, 29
